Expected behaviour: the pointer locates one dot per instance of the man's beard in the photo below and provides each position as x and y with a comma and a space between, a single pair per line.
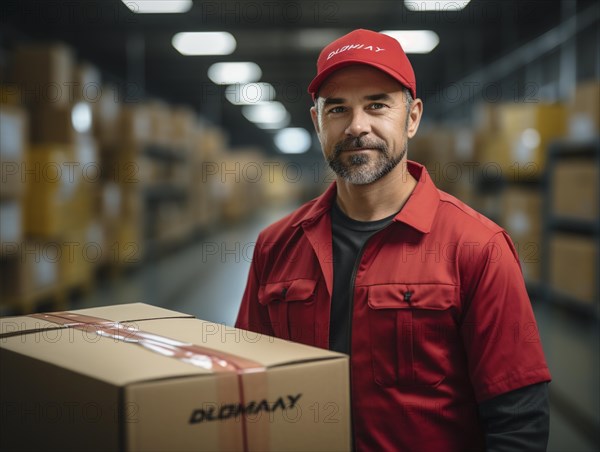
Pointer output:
362, 169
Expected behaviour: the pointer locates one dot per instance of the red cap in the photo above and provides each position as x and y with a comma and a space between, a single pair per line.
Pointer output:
365, 47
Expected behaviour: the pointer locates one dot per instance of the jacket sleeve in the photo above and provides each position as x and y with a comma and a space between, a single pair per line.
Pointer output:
499, 330
517, 420
252, 315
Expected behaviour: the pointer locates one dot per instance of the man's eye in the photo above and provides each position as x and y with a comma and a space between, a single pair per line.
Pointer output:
336, 110
376, 106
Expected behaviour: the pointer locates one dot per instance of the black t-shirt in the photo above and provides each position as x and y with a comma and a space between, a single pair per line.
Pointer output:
349, 237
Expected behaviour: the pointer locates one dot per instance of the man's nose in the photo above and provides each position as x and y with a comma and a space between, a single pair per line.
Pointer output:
359, 124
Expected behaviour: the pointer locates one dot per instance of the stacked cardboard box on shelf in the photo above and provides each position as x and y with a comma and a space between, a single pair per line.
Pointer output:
209, 143
107, 115
574, 266
184, 124
447, 153
149, 177
60, 168
44, 74
239, 183
124, 175
521, 216
278, 188
104, 174
28, 267
584, 111
574, 189
519, 145
160, 123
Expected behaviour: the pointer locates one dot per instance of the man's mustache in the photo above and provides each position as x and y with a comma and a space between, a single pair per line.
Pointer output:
352, 144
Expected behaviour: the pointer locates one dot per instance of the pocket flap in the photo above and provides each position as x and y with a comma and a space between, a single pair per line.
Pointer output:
409, 296
294, 290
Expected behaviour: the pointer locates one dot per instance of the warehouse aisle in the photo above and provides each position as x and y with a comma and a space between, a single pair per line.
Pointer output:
207, 279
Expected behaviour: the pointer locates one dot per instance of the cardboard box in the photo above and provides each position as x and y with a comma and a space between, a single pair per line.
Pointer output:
212, 142
237, 184
87, 162
203, 205
135, 125
52, 185
61, 124
125, 242
519, 147
107, 110
44, 73
487, 117
125, 165
521, 216
77, 258
183, 128
13, 141
584, 111
574, 267
161, 130
492, 154
172, 384
574, 185
528, 130
433, 147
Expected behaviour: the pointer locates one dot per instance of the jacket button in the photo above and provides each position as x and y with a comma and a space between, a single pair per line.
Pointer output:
284, 291
407, 295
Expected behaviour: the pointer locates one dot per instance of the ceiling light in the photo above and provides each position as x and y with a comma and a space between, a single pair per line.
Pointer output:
293, 140
435, 5
415, 41
266, 112
231, 73
250, 93
158, 6
204, 43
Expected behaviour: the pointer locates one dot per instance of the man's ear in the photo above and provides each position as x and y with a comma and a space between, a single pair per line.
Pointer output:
315, 119
414, 117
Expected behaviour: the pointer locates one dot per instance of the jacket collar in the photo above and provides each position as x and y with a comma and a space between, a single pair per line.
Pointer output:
321, 205
418, 212
421, 206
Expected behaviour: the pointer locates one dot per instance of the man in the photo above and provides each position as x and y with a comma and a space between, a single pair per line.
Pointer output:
424, 294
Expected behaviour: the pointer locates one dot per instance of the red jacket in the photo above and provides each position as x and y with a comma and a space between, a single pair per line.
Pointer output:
420, 363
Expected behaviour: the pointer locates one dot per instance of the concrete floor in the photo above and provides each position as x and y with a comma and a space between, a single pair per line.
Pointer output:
207, 279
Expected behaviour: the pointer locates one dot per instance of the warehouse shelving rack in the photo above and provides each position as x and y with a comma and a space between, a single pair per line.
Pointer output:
496, 187
561, 150
160, 192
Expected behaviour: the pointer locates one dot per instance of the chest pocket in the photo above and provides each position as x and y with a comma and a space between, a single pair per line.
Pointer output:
291, 307
410, 326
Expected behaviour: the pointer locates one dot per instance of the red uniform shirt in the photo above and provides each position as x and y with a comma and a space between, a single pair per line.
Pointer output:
441, 318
